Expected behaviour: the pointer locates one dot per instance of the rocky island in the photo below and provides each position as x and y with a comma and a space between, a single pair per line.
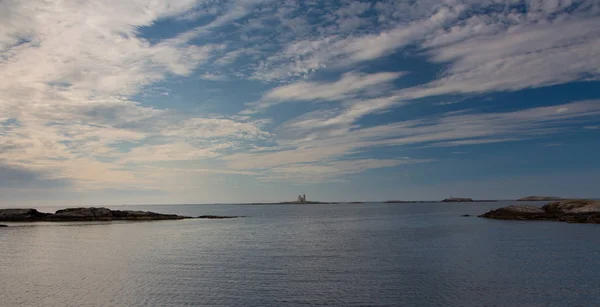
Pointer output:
302, 200
570, 210
92, 214
83, 214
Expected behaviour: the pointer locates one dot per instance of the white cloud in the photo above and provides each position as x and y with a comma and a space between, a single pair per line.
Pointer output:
206, 128
214, 77
483, 128
171, 152
328, 171
519, 57
309, 147
302, 57
498, 50
230, 57
349, 85
66, 70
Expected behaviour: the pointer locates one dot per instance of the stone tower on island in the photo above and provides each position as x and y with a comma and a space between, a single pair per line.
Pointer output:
302, 198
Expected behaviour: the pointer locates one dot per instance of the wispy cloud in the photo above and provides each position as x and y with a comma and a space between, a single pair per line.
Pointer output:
308, 146
71, 74
214, 77
66, 72
497, 49
331, 170
349, 85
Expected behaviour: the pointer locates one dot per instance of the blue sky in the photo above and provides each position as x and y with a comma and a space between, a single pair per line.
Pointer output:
198, 101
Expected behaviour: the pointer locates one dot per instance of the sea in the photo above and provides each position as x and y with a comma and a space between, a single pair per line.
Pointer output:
369, 254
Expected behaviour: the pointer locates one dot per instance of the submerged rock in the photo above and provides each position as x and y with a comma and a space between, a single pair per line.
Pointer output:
465, 215
572, 211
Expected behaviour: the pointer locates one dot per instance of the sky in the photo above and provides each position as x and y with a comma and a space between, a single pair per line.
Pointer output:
113, 102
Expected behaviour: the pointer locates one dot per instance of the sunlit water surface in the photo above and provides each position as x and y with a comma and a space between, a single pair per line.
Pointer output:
303, 255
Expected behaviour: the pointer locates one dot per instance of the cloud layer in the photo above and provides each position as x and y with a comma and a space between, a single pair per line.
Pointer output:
89, 94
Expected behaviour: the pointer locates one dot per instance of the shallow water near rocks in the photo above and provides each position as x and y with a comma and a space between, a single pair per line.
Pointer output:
370, 254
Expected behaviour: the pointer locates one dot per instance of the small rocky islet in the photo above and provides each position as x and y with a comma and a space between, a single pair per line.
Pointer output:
568, 210
92, 214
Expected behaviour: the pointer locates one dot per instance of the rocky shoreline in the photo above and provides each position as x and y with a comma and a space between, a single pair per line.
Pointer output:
571, 211
92, 214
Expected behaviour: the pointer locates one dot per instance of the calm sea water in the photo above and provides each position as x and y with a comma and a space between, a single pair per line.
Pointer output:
303, 255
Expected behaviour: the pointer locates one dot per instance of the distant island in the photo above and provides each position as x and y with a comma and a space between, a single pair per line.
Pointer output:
569, 210
302, 200
406, 201
91, 214
302, 203
457, 200
540, 198
447, 200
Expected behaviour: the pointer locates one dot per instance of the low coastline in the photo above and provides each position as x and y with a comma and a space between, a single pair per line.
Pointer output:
541, 198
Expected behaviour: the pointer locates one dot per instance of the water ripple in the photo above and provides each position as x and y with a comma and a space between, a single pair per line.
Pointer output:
335, 255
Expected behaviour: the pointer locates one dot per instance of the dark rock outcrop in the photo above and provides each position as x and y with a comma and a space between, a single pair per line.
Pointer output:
17, 215
215, 217
517, 212
457, 200
104, 214
83, 214
465, 215
573, 206
3, 225
540, 198
572, 211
